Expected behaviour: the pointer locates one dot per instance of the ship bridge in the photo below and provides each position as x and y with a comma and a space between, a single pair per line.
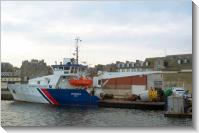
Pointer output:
68, 68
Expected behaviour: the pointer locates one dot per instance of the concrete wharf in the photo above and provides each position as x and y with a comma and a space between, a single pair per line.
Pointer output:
122, 103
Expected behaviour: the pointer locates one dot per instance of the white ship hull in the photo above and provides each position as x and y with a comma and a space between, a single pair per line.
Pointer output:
27, 93
38, 94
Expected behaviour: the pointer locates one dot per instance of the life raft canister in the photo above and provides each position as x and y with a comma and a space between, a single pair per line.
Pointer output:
81, 82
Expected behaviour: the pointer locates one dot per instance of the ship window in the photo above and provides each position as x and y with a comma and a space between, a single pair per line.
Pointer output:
75, 70
72, 70
66, 68
55, 68
60, 68
81, 69
65, 72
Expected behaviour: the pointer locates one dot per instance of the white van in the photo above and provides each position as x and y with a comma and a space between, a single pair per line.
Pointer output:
180, 91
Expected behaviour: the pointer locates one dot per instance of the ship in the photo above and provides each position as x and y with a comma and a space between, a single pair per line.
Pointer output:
68, 85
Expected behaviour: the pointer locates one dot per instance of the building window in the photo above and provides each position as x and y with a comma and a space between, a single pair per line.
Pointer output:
165, 63
179, 61
141, 64
99, 82
11, 82
158, 67
132, 64
147, 63
158, 84
185, 61
127, 65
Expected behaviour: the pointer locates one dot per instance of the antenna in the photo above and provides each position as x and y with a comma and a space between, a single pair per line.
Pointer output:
77, 39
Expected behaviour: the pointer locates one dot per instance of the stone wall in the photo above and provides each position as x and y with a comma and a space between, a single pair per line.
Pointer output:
178, 79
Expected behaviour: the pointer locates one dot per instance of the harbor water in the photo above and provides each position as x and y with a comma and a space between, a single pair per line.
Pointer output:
32, 114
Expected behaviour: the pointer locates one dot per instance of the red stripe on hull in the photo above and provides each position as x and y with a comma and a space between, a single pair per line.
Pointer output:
45, 91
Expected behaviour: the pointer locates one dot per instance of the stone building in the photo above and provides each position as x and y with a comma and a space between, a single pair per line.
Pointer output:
9, 78
108, 67
167, 63
6, 67
34, 68
178, 62
170, 62
138, 66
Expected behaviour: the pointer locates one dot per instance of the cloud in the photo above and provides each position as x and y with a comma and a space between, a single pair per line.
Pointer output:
110, 30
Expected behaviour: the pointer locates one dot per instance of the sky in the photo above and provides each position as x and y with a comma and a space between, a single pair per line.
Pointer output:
110, 30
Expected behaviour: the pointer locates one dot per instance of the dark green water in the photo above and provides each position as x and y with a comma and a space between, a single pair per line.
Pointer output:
32, 114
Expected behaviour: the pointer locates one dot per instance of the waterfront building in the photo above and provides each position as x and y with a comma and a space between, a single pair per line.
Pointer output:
6, 67
170, 62
34, 68
167, 63
122, 84
9, 78
108, 67
138, 66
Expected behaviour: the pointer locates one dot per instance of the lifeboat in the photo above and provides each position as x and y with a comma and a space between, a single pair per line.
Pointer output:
81, 82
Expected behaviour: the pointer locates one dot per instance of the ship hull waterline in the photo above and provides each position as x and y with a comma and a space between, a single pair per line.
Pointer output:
59, 97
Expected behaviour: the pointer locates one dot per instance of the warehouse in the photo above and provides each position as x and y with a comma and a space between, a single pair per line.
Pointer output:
122, 84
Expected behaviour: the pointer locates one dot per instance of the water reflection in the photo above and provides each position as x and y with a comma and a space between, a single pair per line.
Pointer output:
32, 114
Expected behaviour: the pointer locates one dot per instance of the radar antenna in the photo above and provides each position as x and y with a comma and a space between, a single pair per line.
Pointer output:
77, 40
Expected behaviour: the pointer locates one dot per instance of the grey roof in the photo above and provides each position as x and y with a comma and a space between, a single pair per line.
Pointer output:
6, 74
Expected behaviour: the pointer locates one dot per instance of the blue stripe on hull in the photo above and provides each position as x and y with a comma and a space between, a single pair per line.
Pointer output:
73, 97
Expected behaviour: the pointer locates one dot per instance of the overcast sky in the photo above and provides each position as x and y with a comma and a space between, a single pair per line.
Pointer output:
110, 31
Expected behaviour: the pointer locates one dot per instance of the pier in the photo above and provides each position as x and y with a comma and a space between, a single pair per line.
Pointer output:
178, 115
121, 103
6, 95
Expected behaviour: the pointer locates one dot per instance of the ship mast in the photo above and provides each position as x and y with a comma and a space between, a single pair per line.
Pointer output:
77, 40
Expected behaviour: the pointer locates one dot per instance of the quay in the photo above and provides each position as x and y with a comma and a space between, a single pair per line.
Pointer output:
113, 103
178, 115
121, 103
6, 95
178, 107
